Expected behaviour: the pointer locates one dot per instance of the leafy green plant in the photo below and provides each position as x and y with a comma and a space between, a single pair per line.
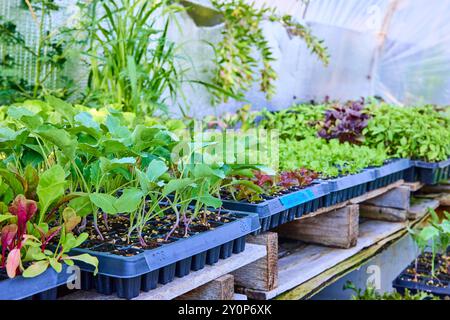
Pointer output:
294, 123
409, 132
435, 236
132, 61
328, 158
242, 36
370, 293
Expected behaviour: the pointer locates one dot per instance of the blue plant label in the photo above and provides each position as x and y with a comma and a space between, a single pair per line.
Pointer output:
296, 198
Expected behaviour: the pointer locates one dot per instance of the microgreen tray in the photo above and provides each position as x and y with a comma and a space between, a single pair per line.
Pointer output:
128, 275
347, 187
278, 210
42, 287
389, 173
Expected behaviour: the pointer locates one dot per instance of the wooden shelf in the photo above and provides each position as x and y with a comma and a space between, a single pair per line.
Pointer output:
305, 268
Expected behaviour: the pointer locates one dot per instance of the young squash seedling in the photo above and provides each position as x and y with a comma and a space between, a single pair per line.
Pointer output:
436, 237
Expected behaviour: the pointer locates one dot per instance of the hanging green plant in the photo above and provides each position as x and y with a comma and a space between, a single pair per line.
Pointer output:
238, 67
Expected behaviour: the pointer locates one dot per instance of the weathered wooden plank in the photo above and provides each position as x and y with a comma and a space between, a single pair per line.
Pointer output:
420, 207
414, 186
315, 284
221, 288
192, 281
439, 188
312, 260
357, 200
263, 273
382, 213
444, 200
336, 229
397, 198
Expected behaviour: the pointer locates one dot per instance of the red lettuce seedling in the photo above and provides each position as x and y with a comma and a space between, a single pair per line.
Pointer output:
345, 122
263, 180
300, 177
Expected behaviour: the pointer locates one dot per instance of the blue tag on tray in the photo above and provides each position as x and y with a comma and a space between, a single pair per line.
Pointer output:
296, 198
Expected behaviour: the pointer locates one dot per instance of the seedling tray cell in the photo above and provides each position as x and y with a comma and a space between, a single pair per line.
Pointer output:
282, 209
389, 173
127, 276
42, 287
347, 187
430, 172
406, 281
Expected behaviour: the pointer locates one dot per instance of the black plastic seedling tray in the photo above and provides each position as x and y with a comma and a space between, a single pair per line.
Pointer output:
128, 275
43, 287
276, 211
347, 187
389, 173
429, 172
406, 281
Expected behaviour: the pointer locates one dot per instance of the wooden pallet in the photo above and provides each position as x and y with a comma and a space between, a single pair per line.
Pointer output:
440, 193
303, 269
212, 282
328, 243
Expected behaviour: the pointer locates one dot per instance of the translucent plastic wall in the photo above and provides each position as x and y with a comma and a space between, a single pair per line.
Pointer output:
396, 49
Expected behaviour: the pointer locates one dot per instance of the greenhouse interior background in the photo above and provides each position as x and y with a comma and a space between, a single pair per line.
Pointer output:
396, 50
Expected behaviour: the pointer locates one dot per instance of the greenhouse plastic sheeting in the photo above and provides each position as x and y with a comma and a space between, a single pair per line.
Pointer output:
396, 49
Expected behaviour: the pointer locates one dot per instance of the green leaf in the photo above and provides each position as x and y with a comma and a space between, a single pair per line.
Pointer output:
104, 201
35, 269
55, 265
71, 241
176, 185
60, 138
86, 258
51, 187
117, 130
4, 217
156, 169
210, 201
128, 201
204, 171
7, 135
249, 185
12, 181
86, 119
429, 233
29, 118
82, 205
107, 165
65, 109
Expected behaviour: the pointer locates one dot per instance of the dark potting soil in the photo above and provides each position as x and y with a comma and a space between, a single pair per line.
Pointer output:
117, 241
421, 271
